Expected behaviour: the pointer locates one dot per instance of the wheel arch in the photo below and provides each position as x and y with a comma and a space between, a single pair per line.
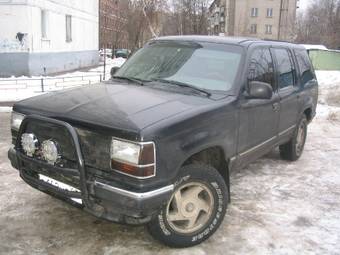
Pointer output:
213, 156
309, 113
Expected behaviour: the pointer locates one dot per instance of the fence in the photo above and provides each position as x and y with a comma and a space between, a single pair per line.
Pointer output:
16, 89
325, 59
45, 84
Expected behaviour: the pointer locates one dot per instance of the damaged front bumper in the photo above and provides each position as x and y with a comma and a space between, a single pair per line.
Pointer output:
97, 196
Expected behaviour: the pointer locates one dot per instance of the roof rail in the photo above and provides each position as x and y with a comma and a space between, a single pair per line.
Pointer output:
249, 40
273, 40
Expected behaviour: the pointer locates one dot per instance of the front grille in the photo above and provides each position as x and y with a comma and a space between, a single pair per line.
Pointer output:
96, 149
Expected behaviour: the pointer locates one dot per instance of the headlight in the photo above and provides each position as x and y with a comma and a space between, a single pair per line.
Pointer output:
16, 120
29, 143
133, 159
50, 151
125, 151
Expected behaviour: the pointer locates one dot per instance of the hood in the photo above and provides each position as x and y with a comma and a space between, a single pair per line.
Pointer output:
116, 106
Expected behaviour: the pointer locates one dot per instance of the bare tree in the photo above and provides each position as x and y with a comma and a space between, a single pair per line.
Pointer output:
190, 16
120, 34
320, 24
152, 18
144, 21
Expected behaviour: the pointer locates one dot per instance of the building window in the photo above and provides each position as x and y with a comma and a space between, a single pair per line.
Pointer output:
254, 12
269, 29
253, 29
269, 12
68, 28
43, 23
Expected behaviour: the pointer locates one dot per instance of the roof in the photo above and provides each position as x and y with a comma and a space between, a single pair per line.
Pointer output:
244, 41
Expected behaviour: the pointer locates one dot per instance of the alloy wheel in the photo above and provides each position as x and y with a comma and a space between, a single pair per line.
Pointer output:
190, 208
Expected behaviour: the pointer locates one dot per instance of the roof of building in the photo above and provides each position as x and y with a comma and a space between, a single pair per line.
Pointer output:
223, 39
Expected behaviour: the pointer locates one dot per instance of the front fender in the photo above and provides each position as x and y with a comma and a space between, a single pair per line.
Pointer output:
217, 129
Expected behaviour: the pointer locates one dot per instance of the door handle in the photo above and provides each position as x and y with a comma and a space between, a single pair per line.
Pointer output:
276, 107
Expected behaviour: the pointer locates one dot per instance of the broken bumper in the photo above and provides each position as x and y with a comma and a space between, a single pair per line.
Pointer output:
97, 196
105, 200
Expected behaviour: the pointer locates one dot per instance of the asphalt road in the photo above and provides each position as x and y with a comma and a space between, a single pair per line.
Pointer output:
277, 207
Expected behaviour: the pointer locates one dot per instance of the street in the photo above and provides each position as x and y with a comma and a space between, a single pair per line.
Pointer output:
277, 207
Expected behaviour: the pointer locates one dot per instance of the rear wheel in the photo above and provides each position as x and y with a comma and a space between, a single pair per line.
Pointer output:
293, 149
195, 210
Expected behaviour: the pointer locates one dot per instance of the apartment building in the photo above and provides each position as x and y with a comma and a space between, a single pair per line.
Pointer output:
265, 19
112, 24
40, 37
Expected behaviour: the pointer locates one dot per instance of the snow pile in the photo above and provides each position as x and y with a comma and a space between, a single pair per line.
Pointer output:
116, 62
329, 95
5, 109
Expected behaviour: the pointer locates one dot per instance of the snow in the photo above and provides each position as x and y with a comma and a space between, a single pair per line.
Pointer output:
18, 88
329, 95
314, 47
5, 109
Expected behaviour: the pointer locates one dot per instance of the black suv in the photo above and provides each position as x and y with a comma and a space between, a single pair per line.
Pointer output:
157, 142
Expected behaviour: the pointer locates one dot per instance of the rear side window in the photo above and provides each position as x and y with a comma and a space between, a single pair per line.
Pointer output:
285, 68
305, 66
261, 66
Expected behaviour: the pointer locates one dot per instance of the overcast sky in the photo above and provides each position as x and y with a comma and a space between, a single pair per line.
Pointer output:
303, 4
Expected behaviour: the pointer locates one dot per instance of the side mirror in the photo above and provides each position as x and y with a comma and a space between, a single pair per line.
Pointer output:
259, 90
114, 70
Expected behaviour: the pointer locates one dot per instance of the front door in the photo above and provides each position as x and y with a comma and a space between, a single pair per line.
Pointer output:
259, 118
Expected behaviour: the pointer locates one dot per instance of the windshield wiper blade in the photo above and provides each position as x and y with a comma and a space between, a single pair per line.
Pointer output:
183, 84
135, 80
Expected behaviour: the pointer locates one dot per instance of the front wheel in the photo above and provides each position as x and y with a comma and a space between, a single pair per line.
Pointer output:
293, 149
195, 210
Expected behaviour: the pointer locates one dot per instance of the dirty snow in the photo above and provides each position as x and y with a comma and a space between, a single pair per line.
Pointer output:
329, 95
277, 207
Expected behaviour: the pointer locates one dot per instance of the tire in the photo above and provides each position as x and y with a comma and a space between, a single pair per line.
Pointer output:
202, 197
293, 150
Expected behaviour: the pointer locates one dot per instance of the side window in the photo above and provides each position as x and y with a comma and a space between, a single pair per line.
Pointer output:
305, 66
285, 68
261, 66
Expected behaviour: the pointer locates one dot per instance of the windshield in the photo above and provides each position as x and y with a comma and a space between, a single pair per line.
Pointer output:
208, 66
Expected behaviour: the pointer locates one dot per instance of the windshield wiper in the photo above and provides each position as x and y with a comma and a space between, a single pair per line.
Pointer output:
135, 80
183, 84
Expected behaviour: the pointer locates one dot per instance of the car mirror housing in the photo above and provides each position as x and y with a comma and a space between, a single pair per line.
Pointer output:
114, 70
259, 90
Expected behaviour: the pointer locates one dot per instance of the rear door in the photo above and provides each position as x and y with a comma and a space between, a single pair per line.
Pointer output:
287, 88
308, 82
